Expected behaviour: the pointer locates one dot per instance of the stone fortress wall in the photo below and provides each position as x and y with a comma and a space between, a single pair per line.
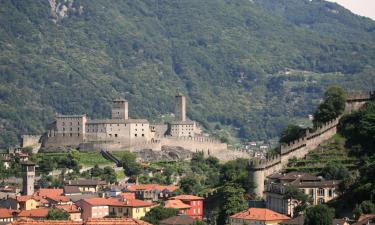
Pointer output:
259, 169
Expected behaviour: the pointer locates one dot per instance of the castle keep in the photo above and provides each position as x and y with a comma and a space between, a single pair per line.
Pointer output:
259, 169
121, 132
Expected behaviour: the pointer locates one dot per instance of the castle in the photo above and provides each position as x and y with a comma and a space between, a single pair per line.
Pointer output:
259, 169
121, 132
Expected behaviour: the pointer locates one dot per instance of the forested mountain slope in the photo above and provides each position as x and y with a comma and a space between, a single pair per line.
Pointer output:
253, 65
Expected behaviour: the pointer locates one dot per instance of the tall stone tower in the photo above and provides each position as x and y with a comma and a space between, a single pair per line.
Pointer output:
120, 109
28, 177
180, 107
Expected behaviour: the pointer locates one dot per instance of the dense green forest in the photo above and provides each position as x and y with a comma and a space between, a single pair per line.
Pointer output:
251, 66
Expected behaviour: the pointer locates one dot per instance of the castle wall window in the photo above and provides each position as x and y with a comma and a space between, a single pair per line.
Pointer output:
78, 135
71, 123
143, 135
115, 135
70, 134
63, 135
63, 123
135, 135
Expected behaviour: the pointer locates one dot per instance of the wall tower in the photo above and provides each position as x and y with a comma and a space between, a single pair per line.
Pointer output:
28, 177
120, 109
180, 107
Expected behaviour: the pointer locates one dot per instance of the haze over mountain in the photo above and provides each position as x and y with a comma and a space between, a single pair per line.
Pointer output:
250, 66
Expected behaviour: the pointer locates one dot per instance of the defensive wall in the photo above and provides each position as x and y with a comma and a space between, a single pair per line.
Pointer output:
259, 169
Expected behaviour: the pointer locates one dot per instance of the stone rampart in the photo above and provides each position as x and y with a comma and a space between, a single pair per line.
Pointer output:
33, 141
259, 169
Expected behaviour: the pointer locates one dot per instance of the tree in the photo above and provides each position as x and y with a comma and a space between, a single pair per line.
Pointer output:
295, 195
366, 207
319, 215
57, 214
335, 171
159, 213
109, 175
291, 133
332, 107
190, 184
233, 201
130, 165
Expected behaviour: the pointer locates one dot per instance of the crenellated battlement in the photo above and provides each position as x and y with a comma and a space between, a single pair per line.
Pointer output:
258, 163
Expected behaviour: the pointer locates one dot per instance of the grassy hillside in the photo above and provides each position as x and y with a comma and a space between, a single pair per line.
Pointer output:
229, 57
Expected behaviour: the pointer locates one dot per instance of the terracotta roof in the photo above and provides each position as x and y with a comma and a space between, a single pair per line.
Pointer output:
115, 221
24, 198
259, 214
178, 220
41, 212
5, 213
69, 208
187, 197
99, 201
176, 204
59, 198
29, 221
366, 219
129, 203
46, 192
127, 195
299, 220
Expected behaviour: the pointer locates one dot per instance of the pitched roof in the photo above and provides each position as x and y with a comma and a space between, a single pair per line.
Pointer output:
319, 183
68, 208
71, 190
5, 213
115, 221
84, 182
299, 220
46, 192
178, 220
187, 197
127, 195
99, 201
151, 187
29, 221
41, 212
366, 219
176, 204
259, 214
59, 198
303, 176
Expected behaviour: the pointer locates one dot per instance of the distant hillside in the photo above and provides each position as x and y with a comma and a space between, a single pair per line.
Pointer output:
249, 65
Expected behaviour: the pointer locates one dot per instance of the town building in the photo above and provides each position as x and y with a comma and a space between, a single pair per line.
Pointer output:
90, 221
6, 215
35, 214
318, 190
182, 208
196, 203
28, 177
300, 220
150, 192
132, 208
73, 210
94, 207
178, 220
84, 185
257, 216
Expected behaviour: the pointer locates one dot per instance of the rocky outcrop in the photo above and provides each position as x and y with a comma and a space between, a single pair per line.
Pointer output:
167, 153
61, 9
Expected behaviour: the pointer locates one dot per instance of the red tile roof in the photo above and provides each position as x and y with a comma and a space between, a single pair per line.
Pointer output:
47, 192
69, 208
99, 201
24, 198
5, 213
127, 195
187, 197
59, 198
115, 221
41, 212
29, 221
259, 214
116, 202
176, 204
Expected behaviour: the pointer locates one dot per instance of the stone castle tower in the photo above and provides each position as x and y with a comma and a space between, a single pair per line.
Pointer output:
180, 107
28, 177
120, 109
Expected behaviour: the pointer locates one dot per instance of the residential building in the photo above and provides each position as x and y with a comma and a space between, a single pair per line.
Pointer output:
366, 219
90, 221
71, 190
27, 202
150, 192
132, 208
318, 189
73, 210
196, 203
86, 185
178, 220
178, 204
6, 215
257, 216
94, 207
300, 220
35, 214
